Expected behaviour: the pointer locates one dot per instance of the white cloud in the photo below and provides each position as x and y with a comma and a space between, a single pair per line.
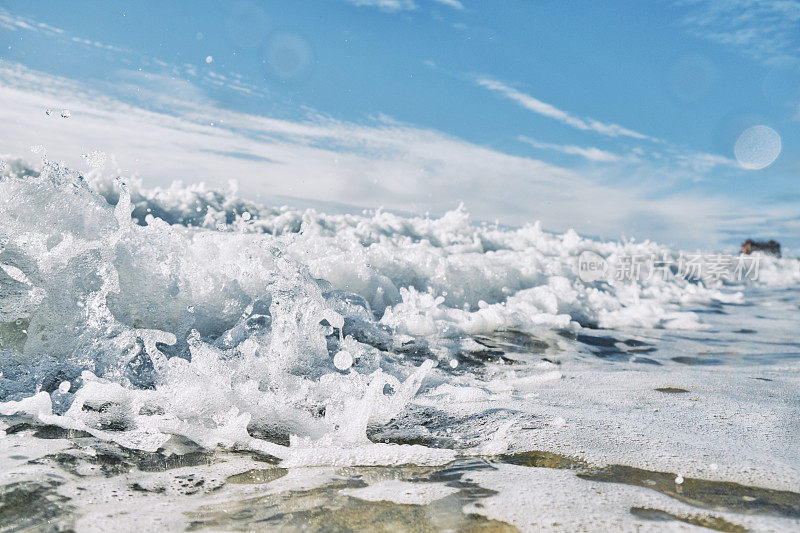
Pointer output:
151, 68
455, 4
591, 153
767, 30
387, 5
382, 163
701, 162
542, 108
402, 5
14, 22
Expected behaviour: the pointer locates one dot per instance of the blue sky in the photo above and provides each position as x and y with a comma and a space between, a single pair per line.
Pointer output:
615, 118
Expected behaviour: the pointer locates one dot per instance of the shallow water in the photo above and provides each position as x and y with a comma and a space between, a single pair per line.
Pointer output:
85, 484
231, 367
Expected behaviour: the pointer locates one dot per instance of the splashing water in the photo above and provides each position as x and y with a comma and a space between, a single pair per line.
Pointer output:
290, 333
159, 329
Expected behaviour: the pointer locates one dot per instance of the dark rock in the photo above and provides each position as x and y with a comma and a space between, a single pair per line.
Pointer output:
768, 247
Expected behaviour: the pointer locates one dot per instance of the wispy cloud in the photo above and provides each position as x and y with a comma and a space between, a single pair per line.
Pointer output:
319, 159
403, 5
701, 162
766, 30
591, 153
15, 22
685, 163
387, 5
542, 108
455, 4
150, 68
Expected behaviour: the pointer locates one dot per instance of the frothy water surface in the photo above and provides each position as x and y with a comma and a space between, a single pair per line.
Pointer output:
183, 358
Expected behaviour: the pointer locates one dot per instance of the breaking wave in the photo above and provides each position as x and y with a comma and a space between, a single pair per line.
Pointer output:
137, 314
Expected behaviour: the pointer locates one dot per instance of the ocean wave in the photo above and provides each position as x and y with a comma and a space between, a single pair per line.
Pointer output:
138, 314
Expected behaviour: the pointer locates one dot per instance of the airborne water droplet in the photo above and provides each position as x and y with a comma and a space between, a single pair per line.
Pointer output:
343, 360
95, 159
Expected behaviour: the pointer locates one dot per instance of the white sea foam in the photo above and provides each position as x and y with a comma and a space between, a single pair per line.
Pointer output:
402, 492
563, 502
190, 311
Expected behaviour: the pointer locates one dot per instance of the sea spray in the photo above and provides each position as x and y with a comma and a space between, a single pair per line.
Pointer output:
162, 325
161, 330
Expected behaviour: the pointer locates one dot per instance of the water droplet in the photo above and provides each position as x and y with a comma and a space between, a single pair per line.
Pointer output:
757, 147
221, 226
343, 360
453, 363
246, 216
209, 59
679, 480
96, 159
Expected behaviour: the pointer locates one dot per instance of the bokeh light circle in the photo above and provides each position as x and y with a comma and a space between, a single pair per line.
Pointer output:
690, 78
757, 147
288, 55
